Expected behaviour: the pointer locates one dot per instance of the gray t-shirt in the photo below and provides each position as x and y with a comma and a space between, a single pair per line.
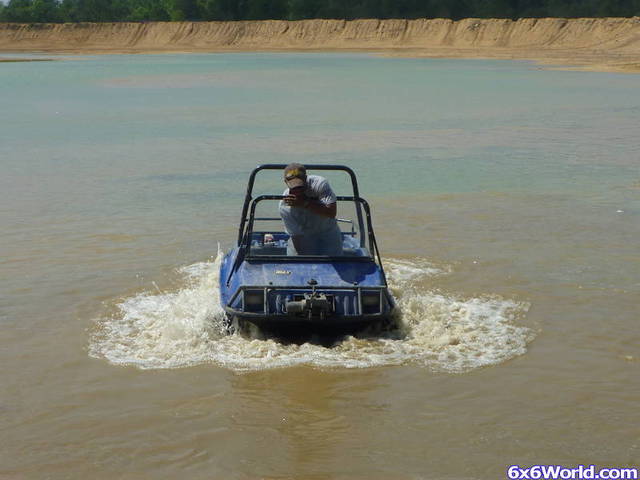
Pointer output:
301, 221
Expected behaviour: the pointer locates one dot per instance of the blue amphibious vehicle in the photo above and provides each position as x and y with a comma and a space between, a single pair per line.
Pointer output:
261, 284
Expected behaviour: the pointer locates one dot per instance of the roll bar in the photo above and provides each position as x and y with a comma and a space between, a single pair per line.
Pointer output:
281, 166
373, 244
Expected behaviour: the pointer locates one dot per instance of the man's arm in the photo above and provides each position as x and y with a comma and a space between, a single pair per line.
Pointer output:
320, 208
297, 244
315, 206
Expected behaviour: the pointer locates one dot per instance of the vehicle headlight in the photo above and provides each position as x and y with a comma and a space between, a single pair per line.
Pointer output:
253, 301
371, 302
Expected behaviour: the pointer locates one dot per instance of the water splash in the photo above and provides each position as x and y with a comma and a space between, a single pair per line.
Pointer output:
185, 327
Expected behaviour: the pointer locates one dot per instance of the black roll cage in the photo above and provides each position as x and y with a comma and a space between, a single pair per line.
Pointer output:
249, 207
281, 166
360, 202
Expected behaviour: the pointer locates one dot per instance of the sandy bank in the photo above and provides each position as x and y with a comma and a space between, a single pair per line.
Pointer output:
9, 60
602, 44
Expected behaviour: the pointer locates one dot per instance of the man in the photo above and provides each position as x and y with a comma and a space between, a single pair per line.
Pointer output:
309, 214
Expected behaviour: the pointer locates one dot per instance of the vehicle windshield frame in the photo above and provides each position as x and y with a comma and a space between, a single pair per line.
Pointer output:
368, 241
281, 166
361, 204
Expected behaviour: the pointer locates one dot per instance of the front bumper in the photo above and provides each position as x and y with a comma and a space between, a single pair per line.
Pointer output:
354, 306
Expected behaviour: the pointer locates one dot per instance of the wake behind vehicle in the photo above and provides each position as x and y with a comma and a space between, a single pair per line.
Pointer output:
261, 284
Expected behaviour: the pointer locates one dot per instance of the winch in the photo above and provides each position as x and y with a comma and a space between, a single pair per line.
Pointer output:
315, 305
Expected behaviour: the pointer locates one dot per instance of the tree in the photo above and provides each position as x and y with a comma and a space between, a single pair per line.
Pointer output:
19, 11
180, 10
303, 9
147, 10
44, 11
266, 9
217, 9
92, 10
28, 11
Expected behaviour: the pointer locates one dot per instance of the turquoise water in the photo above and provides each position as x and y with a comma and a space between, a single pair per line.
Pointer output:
138, 144
467, 125
506, 200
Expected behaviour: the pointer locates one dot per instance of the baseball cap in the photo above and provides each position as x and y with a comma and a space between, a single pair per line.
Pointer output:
295, 175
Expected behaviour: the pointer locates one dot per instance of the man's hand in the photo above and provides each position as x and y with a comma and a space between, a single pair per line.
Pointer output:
300, 200
296, 200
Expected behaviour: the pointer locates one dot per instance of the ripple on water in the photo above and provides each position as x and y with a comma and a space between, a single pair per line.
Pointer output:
185, 327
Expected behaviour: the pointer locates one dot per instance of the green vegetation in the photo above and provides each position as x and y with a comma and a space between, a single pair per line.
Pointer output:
29, 11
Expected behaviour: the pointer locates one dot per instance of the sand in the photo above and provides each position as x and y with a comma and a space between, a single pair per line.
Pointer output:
604, 44
9, 60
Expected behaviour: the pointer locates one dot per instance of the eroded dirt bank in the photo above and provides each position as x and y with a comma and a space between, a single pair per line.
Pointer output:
604, 43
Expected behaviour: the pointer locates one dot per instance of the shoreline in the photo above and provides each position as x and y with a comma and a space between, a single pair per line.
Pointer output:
593, 44
19, 60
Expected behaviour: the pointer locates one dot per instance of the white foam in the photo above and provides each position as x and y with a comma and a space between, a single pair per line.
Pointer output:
185, 327
399, 272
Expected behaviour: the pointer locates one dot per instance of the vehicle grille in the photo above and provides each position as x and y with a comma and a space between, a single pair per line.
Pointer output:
344, 303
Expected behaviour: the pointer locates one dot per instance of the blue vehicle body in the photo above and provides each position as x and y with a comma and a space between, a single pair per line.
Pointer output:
259, 283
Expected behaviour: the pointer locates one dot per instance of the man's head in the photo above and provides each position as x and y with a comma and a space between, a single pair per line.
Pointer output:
295, 175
